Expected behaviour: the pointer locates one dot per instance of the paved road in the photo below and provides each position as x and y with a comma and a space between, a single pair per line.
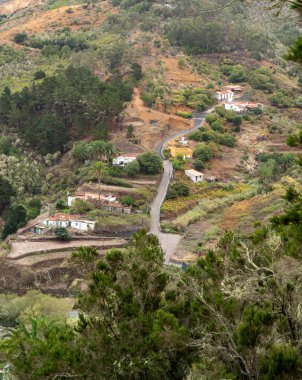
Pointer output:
169, 242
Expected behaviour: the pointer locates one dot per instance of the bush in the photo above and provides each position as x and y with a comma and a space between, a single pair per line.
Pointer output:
150, 163
238, 74
177, 189
39, 75
217, 126
33, 208
132, 169
237, 121
282, 99
292, 140
62, 234
178, 163
227, 140
127, 200
212, 118
185, 115
61, 204
80, 207
261, 79
202, 152
199, 164
14, 218
20, 38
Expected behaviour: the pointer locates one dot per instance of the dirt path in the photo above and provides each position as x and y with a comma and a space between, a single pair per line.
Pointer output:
22, 249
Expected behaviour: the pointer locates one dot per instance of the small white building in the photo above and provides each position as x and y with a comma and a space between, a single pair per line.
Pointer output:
224, 96
194, 175
82, 225
242, 107
66, 221
124, 160
57, 220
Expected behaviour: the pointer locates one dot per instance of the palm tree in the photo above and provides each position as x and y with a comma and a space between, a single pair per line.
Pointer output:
79, 151
100, 171
109, 150
96, 150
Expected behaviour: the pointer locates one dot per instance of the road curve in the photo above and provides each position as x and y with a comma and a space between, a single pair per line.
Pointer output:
169, 242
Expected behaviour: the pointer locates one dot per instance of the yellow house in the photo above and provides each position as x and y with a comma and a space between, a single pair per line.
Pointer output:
181, 151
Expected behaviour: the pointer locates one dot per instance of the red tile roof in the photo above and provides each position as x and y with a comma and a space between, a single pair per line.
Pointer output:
62, 217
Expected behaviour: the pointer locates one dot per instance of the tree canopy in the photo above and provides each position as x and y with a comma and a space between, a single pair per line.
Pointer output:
70, 104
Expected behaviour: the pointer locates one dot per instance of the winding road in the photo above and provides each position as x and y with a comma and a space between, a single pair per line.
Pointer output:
169, 242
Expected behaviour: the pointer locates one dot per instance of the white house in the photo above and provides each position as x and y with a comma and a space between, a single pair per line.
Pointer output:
64, 220
224, 96
57, 220
242, 107
124, 160
82, 225
194, 175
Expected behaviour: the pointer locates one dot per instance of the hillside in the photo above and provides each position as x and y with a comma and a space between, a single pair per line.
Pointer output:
178, 117
169, 81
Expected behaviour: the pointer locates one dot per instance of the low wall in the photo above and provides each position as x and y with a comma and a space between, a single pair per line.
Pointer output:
63, 249
73, 238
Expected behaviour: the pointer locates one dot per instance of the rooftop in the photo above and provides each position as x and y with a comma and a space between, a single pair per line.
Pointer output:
59, 216
233, 87
245, 104
81, 220
132, 155
194, 172
224, 92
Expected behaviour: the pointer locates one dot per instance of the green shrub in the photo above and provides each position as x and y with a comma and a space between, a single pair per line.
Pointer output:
282, 99
132, 169
14, 218
212, 118
238, 74
217, 126
177, 189
61, 204
292, 140
150, 163
40, 74
199, 164
202, 152
185, 115
227, 140
20, 38
127, 200
62, 234
261, 79
80, 206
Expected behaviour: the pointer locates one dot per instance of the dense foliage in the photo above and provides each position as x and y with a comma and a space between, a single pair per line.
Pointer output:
72, 103
235, 314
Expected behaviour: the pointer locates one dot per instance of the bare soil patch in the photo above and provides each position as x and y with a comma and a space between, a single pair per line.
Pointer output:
157, 125
51, 20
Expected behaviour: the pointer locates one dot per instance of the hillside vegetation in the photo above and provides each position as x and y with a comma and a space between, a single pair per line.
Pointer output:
84, 82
